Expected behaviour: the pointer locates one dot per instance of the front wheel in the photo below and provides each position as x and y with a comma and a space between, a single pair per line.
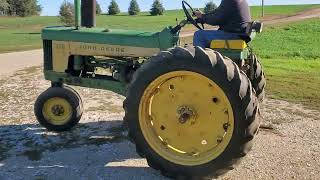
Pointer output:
191, 113
58, 109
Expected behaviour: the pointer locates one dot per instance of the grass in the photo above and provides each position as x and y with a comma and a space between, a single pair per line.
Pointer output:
300, 39
281, 9
294, 80
18, 34
291, 58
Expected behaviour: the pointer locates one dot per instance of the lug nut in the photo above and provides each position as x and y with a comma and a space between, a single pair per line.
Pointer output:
226, 126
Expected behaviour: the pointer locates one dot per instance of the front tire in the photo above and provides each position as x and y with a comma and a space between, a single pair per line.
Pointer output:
213, 88
58, 109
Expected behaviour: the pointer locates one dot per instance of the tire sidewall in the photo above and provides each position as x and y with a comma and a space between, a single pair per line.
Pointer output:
218, 75
66, 94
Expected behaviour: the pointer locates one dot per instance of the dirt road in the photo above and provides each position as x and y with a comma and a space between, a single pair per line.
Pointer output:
308, 14
98, 148
11, 62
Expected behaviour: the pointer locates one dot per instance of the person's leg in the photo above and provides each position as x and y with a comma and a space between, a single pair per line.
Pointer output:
203, 38
199, 38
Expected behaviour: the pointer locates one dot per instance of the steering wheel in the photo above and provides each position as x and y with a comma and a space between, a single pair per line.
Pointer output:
193, 21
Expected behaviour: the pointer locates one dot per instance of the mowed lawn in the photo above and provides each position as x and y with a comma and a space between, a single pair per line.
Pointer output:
294, 80
18, 34
291, 58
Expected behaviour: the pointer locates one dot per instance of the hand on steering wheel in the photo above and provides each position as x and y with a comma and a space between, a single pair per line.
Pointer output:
193, 21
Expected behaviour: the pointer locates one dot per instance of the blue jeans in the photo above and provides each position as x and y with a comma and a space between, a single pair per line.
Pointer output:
203, 38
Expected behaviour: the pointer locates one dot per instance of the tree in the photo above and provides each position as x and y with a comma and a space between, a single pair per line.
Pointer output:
4, 7
27, 8
39, 9
24, 8
98, 8
12, 7
210, 7
113, 8
157, 8
134, 8
67, 13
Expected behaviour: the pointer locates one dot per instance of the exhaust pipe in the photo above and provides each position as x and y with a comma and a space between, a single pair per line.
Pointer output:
77, 9
88, 13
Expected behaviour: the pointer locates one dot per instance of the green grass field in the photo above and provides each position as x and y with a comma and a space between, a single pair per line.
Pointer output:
299, 40
291, 58
18, 34
294, 80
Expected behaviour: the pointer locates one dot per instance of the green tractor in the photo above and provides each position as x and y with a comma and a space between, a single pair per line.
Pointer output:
191, 112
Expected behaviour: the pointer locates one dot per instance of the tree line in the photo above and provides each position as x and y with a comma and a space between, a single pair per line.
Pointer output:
67, 13
19, 8
25, 8
156, 9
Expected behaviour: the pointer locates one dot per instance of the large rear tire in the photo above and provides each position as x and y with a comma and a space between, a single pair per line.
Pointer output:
257, 77
191, 113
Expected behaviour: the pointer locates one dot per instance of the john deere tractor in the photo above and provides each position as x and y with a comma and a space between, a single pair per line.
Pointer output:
191, 112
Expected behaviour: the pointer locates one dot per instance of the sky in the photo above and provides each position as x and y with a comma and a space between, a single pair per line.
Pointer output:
51, 7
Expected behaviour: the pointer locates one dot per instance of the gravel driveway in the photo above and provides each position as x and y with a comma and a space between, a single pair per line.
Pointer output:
98, 148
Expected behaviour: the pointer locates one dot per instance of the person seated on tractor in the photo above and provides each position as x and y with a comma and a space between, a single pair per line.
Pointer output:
231, 16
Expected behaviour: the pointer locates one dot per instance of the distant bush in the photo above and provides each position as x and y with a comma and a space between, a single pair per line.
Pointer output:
134, 8
98, 8
113, 8
157, 8
67, 13
23, 8
210, 7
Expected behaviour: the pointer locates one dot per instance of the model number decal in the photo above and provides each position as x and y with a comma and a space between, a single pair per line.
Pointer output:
103, 48
60, 46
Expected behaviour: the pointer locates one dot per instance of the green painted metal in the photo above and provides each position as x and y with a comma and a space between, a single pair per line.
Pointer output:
163, 40
77, 6
103, 83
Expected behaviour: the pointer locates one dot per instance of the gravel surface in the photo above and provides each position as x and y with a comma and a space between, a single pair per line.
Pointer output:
287, 148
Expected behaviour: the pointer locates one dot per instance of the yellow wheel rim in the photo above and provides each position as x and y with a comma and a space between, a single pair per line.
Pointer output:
57, 111
186, 118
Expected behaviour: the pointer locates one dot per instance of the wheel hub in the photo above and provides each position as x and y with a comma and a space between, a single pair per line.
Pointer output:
57, 110
185, 114
183, 124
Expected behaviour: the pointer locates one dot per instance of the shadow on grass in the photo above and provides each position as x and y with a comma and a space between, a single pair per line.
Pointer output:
31, 33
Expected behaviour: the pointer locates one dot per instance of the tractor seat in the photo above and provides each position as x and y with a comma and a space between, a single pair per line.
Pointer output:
244, 38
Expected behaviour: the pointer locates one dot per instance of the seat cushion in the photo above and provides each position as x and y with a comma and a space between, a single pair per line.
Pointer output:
228, 44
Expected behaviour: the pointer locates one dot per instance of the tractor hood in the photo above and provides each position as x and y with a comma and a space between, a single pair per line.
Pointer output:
161, 40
